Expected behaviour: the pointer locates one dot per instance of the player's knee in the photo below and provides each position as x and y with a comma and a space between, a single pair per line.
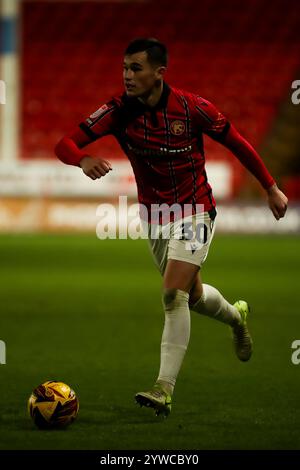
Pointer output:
168, 297
172, 297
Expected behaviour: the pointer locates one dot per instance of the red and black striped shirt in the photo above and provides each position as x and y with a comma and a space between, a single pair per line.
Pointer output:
165, 145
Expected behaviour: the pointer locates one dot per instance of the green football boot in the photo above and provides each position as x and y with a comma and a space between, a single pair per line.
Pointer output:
242, 340
156, 398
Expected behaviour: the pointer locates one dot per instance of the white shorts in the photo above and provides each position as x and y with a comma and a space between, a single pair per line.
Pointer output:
186, 240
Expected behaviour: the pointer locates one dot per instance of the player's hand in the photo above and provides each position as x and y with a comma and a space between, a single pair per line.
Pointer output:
277, 201
94, 168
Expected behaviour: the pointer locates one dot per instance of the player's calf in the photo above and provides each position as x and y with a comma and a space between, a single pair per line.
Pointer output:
214, 305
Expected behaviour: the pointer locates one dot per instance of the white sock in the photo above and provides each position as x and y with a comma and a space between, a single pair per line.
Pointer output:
175, 338
213, 304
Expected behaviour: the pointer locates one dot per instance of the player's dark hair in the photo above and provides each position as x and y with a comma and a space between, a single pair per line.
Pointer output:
156, 51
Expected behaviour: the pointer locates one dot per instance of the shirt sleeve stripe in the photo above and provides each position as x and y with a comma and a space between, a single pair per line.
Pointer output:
88, 131
204, 115
219, 136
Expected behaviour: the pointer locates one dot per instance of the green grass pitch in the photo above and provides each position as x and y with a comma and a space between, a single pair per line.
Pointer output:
88, 312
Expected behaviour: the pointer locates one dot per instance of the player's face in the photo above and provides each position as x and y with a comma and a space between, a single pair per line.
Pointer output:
139, 75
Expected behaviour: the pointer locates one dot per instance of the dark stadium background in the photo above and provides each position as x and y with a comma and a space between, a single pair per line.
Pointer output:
88, 311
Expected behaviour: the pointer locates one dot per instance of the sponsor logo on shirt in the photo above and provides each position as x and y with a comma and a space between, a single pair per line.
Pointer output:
177, 127
158, 151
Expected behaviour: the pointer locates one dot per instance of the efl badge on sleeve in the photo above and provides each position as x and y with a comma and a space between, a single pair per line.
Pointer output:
99, 111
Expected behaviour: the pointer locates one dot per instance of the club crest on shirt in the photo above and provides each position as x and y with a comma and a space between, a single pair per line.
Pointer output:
99, 112
177, 127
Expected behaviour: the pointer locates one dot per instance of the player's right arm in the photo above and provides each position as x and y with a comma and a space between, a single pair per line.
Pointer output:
69, 148
69, 151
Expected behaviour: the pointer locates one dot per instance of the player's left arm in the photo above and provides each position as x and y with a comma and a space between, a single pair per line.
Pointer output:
248, 156
213, 123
